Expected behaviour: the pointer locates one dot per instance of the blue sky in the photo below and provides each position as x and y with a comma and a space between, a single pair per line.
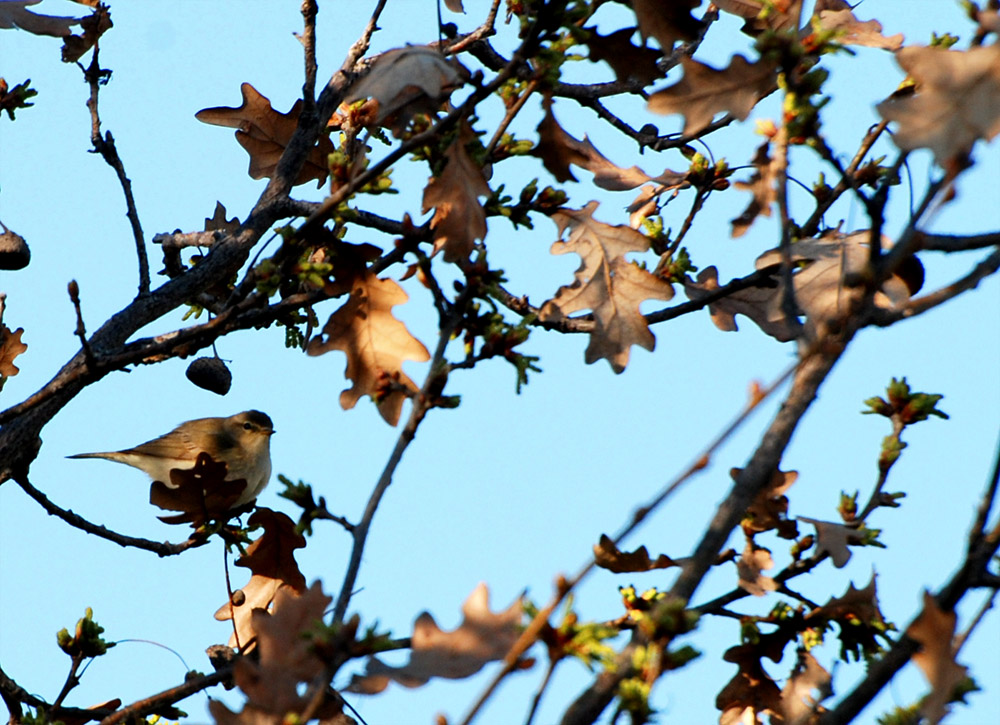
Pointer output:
510, 490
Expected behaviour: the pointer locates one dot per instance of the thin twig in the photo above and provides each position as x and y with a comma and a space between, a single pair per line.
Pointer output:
81, 330
105, 146
537, 699
958, 242
509, 116
72, 680
847, 180
309, 11
483, 31
565, 586
151, 704
788, 305
980, 615
76, 521
421, 405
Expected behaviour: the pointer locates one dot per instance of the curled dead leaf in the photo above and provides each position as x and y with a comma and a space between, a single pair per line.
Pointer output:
286, 652
610, 557
218, 221
957, 99
769, 508
483, 636
763, 188
834, 539
264, 133
409, 80
94, 26
558, 150
934, 631
751, 692
762, 15
754, 302
459, 219
798, 705
836, 15
629, 61
271, 561
668, 22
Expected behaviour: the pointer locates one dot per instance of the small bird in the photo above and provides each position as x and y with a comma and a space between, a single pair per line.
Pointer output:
241, 441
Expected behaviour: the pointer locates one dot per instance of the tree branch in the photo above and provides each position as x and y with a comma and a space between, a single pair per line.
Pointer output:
957, 242
78, 522
422, 403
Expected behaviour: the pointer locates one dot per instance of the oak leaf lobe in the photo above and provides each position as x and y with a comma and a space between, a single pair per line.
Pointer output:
607, 284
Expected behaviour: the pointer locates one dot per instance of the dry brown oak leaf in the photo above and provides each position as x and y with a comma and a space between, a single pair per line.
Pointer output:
17, 15
834, 539
668, 21
610, 557
607, 284
934, 631
836, 15
264, 133
751, 692
376, 344
768, 509
856, 608
271, 560
201, 493
94, 26
629, 61
558, 150
763, 188
798, 706
483, 636
286, 658
459, 219
10, 347
218, 221
705, 91
409, 80
957, 100
763, 15
749, 566
822, 267
754, 302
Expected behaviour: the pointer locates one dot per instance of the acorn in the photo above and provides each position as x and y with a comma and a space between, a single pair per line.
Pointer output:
14, 252
211, 374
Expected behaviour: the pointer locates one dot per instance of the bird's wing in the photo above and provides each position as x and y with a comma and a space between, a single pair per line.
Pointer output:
179, 443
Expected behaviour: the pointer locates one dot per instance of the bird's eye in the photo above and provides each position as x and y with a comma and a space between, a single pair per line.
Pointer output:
248, 426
